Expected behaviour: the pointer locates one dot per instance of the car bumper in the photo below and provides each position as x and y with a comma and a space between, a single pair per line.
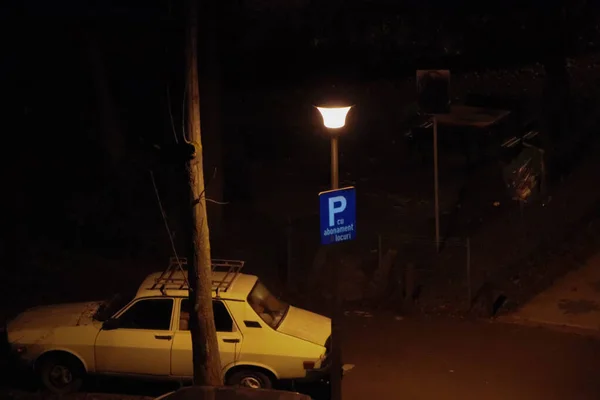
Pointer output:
324, 374
9, 359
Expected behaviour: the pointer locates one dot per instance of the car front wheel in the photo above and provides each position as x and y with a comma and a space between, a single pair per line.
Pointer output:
61, 374
251, 379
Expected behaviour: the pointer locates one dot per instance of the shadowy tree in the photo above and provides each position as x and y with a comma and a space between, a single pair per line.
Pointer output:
111, 135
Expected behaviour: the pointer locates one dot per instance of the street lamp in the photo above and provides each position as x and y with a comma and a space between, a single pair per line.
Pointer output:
334, 118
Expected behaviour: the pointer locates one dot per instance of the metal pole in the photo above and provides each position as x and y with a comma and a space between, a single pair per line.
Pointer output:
379, 252
288, 231
335, 173
436, 185
336, 344
336, 337
469, 271
523, 224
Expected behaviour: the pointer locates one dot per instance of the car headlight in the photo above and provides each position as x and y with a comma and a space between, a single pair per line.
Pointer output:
19, 349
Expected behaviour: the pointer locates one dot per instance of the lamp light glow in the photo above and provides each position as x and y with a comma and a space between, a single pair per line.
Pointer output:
334, 117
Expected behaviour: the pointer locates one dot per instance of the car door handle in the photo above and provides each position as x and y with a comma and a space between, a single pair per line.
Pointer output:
163, 337
231, 340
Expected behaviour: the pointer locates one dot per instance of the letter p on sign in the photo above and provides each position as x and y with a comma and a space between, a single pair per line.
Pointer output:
337, 205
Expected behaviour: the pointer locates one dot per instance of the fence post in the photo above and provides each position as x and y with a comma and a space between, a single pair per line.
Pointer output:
469, 270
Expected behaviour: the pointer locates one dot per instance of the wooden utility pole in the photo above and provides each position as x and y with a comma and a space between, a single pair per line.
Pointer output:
205, 349
210, 80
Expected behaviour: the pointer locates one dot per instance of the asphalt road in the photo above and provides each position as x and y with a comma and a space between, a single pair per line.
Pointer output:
453, 359
439, 359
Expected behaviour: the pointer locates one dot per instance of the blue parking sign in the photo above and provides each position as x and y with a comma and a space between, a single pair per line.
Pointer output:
337, 210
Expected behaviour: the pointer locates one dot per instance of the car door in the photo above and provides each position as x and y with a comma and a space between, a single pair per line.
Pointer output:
228, 337
141, 343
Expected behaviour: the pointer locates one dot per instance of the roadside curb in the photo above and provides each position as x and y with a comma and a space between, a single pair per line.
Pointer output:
572, 329
24, 395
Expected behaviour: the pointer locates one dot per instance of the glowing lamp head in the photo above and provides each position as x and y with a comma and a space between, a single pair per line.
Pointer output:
334, 117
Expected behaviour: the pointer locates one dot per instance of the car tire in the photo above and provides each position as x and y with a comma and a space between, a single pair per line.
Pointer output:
250, 378
61, 374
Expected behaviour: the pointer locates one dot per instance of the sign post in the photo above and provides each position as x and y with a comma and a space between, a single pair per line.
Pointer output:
433, 91
436, 184
337, 209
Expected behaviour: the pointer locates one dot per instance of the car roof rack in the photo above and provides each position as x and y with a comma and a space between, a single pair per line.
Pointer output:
175, 281
168, 276
231, 268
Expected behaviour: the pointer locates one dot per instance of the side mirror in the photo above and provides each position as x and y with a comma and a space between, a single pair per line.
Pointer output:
110, 324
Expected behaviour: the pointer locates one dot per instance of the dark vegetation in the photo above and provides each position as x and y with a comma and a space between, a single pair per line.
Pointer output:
93, 89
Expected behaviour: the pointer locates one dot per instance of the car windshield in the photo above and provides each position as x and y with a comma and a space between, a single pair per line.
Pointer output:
110, 306
268, 307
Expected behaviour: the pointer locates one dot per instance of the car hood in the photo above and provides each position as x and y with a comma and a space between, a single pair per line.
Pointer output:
55, 316
306, 325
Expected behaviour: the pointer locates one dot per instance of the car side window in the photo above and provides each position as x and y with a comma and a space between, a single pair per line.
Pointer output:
153, 314
223, 320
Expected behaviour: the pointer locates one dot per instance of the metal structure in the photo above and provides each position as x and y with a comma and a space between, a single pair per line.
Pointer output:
170, 276
175, 277
524, 174
232, 269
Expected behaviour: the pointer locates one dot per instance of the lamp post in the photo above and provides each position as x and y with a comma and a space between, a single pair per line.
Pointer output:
334, 118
